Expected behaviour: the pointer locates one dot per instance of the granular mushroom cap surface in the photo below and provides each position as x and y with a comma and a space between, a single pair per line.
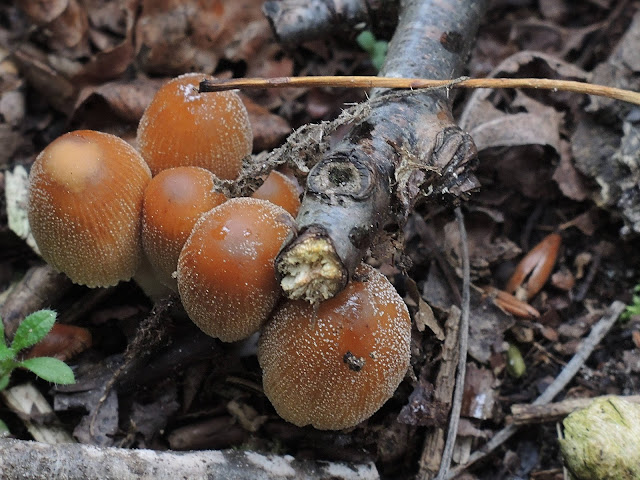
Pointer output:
226, 275
281, 190
85, 201
173, 202
182, 127
336, 367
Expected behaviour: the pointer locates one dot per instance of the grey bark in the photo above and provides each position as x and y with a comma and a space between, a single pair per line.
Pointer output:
39, 461
295, 21
404, 148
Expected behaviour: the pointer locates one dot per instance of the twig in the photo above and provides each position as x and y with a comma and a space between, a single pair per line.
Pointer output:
38, 461
433, 448
421, 83
456, 407
40, 287
524, 414
587, 346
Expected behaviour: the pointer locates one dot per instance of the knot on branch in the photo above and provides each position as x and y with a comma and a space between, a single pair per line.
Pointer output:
341, 174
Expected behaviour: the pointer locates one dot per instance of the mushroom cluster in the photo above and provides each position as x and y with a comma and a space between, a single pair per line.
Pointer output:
161, 206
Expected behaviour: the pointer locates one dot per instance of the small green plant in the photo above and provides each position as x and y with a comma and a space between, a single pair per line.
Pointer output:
634, 307
377, 49
32, 329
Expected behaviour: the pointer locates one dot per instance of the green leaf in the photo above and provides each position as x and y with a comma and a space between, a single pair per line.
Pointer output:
3, 341
33, 329
379, 53
4, 430
4, 381
6, 353
366, 40
50, 369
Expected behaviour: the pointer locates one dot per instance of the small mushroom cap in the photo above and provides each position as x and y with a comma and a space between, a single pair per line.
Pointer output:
334, 367
182, 127
281, 190
173, 202
85, 201
226, 273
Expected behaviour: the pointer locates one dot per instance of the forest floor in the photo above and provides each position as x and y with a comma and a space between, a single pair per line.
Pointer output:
548, 162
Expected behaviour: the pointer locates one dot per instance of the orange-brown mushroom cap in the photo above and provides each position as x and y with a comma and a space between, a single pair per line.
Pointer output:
334, 367
182, 127
173, 202
85, 201
226, 275
281, 190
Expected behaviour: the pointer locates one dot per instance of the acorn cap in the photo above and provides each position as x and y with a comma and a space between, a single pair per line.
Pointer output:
182, 127
173, 202
335, 366
85, 201
226, 274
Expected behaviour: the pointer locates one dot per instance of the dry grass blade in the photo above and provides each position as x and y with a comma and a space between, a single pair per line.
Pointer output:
421, 83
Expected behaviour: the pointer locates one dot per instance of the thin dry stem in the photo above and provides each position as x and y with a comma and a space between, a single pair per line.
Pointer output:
454, 419
421, 83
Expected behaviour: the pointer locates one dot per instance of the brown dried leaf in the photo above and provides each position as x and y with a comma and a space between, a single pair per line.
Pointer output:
151, 418
178, 36
114, 39
571, 182
563, 279
479, 394
422, 409
548, 65
551, 38
587, 222
62, 342
70, 30
10, 140
423, 317
40, 12
466, 428
489, 322
215, 433
486, 247
519, 129
269, 129
111, 104
46, 79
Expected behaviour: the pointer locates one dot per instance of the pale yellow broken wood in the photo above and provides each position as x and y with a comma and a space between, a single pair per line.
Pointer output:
27, 402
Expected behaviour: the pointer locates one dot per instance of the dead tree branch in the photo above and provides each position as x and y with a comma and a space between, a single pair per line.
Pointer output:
403, 148
526, 414
295, 21
40, 287
39, 461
